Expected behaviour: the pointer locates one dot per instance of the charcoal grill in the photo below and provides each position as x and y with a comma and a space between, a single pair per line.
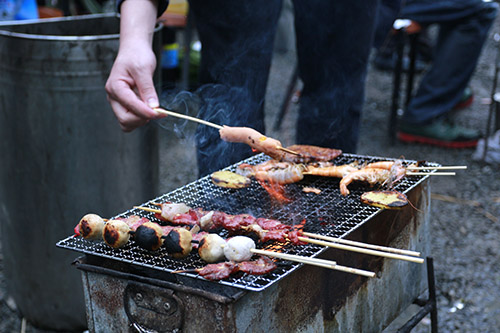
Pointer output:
328, 213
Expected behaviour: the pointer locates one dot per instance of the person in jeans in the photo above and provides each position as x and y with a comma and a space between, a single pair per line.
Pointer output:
463, 29
333, 39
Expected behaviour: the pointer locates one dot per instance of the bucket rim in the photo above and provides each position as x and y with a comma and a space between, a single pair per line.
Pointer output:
49, 37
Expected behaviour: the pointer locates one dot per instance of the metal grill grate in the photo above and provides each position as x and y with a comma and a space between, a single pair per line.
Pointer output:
328, 213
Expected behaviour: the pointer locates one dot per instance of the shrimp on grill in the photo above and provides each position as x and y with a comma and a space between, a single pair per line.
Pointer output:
370, 175
383, 173
283, 173
397, 169
273, 171
330, 170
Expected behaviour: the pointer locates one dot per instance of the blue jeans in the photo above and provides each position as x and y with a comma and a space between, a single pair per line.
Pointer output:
463, 28
333, 44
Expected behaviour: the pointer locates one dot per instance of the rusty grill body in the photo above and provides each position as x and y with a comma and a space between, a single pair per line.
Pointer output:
131, 271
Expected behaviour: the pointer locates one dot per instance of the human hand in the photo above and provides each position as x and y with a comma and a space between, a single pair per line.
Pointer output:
130, 87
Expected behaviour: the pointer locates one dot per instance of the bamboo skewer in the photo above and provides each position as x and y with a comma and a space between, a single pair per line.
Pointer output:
147, 209
450, 167
286, 150
410, 173
183, 116
365, 245
305, 260
204, 122
314, 261
362, 250
326, 238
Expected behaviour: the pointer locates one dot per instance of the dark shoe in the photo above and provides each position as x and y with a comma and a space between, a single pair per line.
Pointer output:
440, 132
466, 100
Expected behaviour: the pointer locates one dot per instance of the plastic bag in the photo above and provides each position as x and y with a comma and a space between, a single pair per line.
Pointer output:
492, 150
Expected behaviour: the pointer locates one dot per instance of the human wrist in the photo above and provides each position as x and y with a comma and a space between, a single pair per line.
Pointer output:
137, 23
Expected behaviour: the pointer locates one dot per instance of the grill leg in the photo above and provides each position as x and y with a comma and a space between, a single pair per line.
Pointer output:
428, 306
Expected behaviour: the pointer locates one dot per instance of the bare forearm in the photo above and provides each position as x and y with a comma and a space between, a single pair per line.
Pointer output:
137, 23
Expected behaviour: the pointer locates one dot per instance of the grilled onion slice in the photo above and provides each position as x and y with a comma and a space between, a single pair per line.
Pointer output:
230, 179
385, 199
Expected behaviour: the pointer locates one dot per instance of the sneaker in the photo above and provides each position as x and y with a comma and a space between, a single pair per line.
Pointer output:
466, 100
441, 132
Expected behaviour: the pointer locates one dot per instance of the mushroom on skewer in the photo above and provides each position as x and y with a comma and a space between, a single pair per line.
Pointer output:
90, 227
116, 233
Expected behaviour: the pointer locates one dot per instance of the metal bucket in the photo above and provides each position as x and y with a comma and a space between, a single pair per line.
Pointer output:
62, 155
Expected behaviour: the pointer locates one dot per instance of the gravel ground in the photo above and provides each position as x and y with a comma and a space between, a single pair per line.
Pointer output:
465, 208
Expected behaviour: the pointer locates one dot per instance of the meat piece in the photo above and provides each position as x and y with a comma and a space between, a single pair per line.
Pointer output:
134, 221
277, 235
223, 270
310, 153
261, 266
116, 233
269, 224
191, 217
170, 210
206, 222
239, 248
218, 271
90, 227
233, 222
149, 236
257, 141
197, 237
211, 248
308, 189
178, 242
293, 236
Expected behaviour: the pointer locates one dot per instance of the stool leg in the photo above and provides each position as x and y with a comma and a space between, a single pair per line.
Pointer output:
396, 85
411, 71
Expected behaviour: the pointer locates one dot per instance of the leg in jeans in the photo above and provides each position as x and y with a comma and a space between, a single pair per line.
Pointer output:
334, 39
237, 43
464, 26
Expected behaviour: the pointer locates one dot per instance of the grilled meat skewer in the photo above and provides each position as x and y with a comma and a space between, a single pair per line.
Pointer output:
223, 270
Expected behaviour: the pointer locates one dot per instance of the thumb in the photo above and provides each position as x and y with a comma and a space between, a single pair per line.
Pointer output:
147, 92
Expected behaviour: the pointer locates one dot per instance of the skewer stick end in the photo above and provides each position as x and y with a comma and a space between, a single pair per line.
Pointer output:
286, 150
